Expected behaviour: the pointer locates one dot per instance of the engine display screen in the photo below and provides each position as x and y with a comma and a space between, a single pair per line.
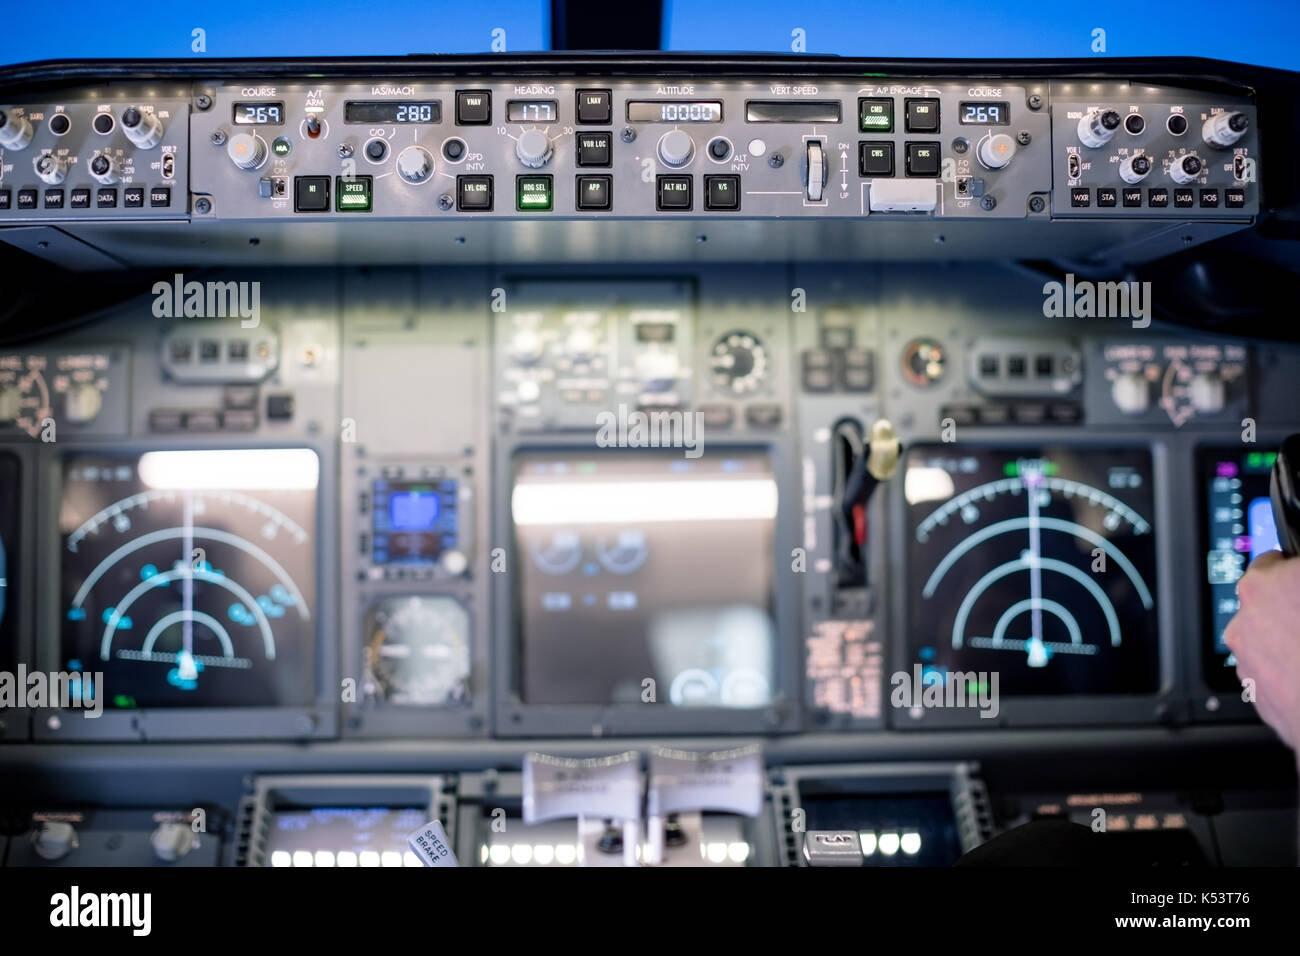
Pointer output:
645, 574
414, 521
188, 578
1038, 565
9, 564
343, 836
1238, 527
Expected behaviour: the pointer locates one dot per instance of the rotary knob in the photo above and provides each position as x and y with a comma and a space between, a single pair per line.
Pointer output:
53, 840
1185, 169
15, 131
11, 403
142, 128
50, 168
676, 148
996, 151
1223, 129
246, 150
415, 165
1207, 393
103, 169
82, 403
1131, 393
171, 841
1097, 127
533, 148
1134, 169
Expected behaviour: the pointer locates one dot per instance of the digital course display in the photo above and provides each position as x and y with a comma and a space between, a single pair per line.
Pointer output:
188, 578
1038, 564
634, 568
1238, 527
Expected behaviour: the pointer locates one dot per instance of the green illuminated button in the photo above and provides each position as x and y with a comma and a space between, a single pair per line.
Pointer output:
352, 194
281, 146
533, 192
876, 114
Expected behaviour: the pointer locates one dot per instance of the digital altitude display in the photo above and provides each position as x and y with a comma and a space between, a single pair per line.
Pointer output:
392, 111
984, 114
9, 564
666, 111
188, 578
414, 521
636, 565
1038, 564
1238, 527
259, 114
532, 111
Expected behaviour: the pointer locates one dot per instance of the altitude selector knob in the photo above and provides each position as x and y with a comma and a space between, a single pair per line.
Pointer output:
676, 148
246, 150
533, 148
415, 165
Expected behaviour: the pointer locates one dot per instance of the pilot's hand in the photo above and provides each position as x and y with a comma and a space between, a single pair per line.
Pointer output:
1265, 638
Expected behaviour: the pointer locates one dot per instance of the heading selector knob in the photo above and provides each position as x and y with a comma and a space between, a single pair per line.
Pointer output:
415, 165
15, 130
1223, 129
1097, 127
1185, 169
1135, 168
533, 148
246, 150
50, 168
996, 151
142, 128
103, 169
676, 148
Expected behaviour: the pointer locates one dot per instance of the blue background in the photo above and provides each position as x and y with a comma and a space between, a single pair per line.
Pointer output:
1261, 32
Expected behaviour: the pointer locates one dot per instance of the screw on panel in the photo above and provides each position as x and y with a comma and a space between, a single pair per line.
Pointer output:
987, 203
628, 135
345, 150
1035, 102
444, 201
203, 101
218, 137
1023, 137
203, 205
776, 161
1037, 204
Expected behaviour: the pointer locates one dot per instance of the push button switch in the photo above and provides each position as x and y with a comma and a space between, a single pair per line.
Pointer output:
673, 193
311, 194
721, 192
473, 107
923, 159
594, 107
594, 192
474, 193
594, 149
922, 116
876, 159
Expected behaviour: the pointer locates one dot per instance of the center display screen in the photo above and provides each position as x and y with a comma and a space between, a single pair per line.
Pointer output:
1034, 564
645, 577
188, 578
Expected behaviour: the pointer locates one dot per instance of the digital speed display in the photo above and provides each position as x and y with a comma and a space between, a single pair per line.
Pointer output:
984, 114
259, 114
1037, 565
188, 578
392, 111
665, 111
532, 111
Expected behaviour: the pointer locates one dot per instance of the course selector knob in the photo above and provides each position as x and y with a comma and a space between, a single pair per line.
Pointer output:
415, 165
142, 128
246, 150
50, 168
533, 148
15, 131
996, 151
676, 148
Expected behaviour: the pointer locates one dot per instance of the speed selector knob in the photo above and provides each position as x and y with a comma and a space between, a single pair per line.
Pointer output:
676, 148
1185, 169
1223, 129
15, 131
50, 168
54, 839
246, 150
1097, 127
142, 127
996, 151
1131, 393
415, 165
533, 148
103, 169
1134, 169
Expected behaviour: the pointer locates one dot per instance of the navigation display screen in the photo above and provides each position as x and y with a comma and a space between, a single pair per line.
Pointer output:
1237, 527
414, 521
1034, 564
188, 578
645, 576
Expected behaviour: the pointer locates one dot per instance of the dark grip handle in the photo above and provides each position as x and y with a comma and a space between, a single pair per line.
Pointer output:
1284, 490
